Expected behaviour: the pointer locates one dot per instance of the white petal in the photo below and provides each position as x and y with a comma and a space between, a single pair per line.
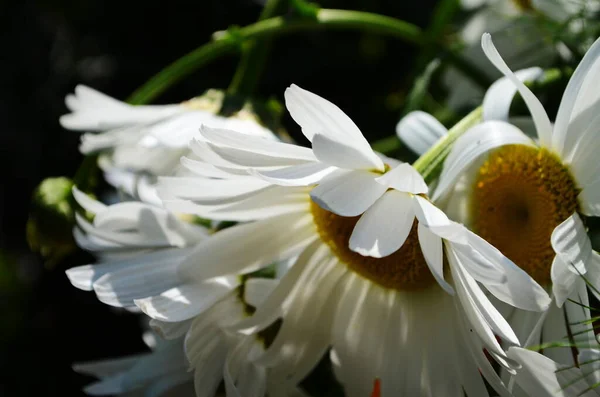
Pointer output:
563, 280
571, 242
428, 214
188, 300
169, 330
349, 194
311, 258
342, 153
266, 203
297, 175
248, 247
431, 246
491, 315
256, 144
86, 202
542, 377
404, 178
244, 158
475, 142
475, 317
580, 96
207, 170
498, 98
384, 227
256, 290
420, 131
540, 118
317, 115
518, 289
139, 277
109, 367
210, 191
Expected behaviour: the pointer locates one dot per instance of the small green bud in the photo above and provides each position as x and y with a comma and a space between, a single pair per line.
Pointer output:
51, 219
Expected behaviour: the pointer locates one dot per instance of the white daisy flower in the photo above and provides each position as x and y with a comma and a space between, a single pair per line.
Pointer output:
524, 196
162, 372
142, 142
373, 310
129, 238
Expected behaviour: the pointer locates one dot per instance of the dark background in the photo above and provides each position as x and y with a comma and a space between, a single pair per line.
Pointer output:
47, 47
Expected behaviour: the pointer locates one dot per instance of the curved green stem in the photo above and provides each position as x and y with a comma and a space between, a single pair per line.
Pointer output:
430, 164
230, 42
254, 55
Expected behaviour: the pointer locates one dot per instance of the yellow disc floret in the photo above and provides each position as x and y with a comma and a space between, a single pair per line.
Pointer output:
405, 269
521, 193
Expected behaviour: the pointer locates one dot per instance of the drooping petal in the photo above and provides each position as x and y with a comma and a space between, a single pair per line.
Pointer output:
256, 144
540, 118
404, 178
349, 194
248, 247
317, 115
542, 377
580, 101
477, 141
420, 131
297, 175
187, 300
431, 246
563, 280
87, 203
344, 154
384, 227
498, 98
571, 242
518, 289
256, 290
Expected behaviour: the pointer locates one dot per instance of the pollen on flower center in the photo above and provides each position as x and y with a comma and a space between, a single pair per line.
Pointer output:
405, 269
520, 195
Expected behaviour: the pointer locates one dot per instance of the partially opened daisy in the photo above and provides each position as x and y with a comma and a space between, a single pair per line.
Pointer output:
161, 372
140, 142
330, 203
141, 249
525, 196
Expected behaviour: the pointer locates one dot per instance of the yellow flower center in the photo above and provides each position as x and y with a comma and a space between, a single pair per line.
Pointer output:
520, 195
403, 270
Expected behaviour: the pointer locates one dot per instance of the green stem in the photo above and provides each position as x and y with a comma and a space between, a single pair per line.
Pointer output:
254, 55
430, 164
228, 43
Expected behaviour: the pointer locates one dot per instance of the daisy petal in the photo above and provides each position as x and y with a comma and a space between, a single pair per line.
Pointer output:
542, 377
428, 214
170, 330
317, 115
431, 246
404, 178
297, 175
589, 198
563, 280
344, 154
540, 118
420, 131
384, 227
255, 144
187, 300
475, 142
571, 242
498, 98
578, 99
86, 202
518, 289
256, 290
349, 194
248, 247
